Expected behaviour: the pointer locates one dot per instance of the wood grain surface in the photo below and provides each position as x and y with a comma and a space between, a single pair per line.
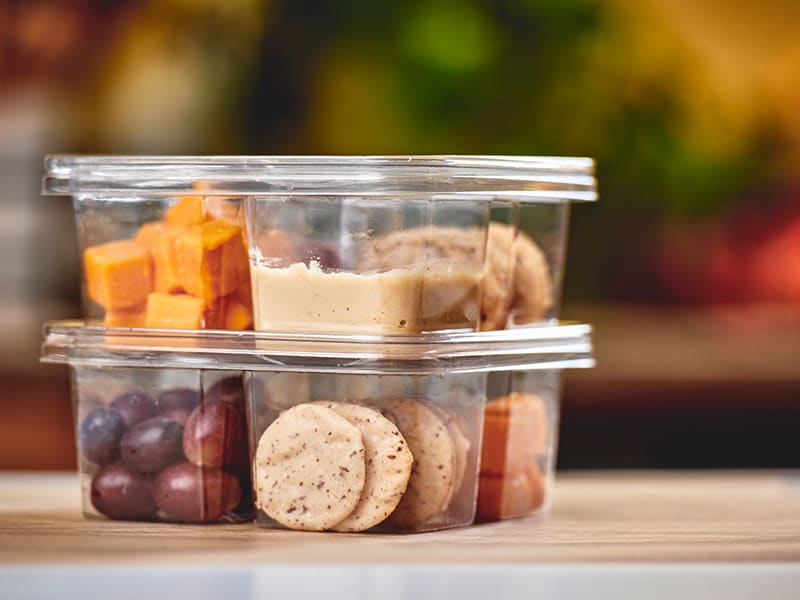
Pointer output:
596, 517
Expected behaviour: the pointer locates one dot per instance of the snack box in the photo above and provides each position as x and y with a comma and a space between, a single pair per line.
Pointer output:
347, 244
336, 432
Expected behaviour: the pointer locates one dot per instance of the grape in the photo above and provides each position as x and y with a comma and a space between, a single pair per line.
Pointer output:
229, 389
181, 415
120, 493
135, 407
99, 435
214, 436
152, 445
178, 398
188, 493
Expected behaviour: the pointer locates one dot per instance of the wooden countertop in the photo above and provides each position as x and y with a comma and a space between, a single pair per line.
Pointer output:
607, 517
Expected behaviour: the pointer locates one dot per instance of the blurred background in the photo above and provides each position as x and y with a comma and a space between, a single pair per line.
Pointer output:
688, 267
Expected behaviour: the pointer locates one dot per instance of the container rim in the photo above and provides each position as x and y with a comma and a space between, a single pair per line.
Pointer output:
550, 346
524, 178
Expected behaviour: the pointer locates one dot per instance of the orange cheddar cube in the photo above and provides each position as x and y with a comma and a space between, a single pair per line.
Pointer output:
214, 314
237, 316
244, 293
149, 235
165, 268
211, 260
119, 275
133, 317
174, 311
185, 212
228, 312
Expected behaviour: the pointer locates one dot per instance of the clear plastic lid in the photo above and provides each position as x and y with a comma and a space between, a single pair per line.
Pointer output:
527, 179
540, 347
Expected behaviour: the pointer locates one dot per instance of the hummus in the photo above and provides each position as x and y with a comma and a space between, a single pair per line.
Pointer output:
399, 301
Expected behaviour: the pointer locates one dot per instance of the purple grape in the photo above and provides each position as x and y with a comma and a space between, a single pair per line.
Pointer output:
178, 398
135, 407
120, 493
152, 445
99, 436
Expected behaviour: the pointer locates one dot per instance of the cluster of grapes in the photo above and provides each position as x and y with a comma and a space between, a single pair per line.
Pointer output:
180, 457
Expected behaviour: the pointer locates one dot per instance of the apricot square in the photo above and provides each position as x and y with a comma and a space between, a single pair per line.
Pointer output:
118, 274
211, 259
505, 496
515, 433
174, 311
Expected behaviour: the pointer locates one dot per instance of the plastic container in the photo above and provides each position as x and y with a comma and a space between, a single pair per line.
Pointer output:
360, 244
346, 433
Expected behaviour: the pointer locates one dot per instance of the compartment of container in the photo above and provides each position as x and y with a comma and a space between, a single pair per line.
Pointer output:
520, 443
162, 444
154, 257
366, 452
367, 265
354, 244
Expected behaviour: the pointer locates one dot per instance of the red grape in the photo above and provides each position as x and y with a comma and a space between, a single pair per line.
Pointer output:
214, 436
229, 389
188, 493
120, 493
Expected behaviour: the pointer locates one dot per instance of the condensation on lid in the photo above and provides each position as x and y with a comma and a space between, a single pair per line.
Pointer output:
524, 178
566, 345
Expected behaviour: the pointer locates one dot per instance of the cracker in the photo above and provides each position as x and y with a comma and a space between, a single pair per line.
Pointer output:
498, 280
516, 279
431, 483
310, 468
388, 461
533, 288
461, 446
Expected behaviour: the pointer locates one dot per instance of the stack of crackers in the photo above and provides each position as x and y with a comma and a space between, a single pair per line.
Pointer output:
350, 467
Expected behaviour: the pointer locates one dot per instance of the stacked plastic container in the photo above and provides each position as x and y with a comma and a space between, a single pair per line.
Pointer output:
323, 343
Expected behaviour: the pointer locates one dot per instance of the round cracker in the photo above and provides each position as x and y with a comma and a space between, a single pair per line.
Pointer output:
516, 276
461, 445
533, 286
310, 468
388, 461
432, 479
